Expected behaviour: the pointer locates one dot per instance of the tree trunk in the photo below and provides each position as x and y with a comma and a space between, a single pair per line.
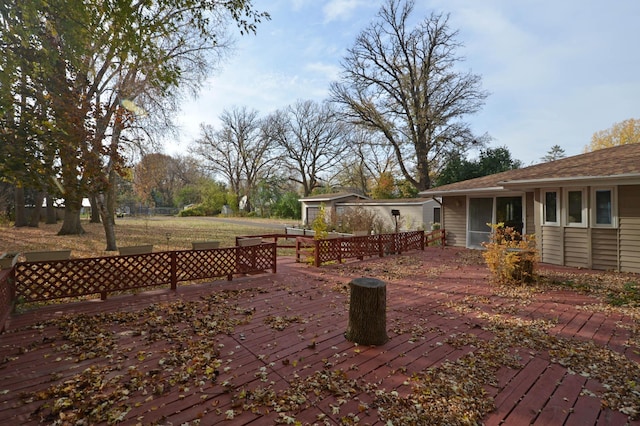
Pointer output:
21, 214
71, 224
367, 312
108, 221
52, 217
34, 220
95, 210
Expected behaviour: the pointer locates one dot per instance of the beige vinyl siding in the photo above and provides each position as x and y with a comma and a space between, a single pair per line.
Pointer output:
529, 220
576, 247
629, 223
552, 245
454, 213
604, 249
630, 244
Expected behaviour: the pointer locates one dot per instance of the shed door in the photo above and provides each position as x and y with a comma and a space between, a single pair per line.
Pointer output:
312, 213
480, 213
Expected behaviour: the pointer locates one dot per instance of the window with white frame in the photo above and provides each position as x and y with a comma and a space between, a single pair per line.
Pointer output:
575, 207
551, 207
603, 212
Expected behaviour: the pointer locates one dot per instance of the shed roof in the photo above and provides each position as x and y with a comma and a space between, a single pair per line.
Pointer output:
390, 201
332, 197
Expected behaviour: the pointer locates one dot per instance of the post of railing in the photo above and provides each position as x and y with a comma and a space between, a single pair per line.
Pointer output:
422, 240
339, 242
274, 257
12, 288
174, 270
316, 252
380, 246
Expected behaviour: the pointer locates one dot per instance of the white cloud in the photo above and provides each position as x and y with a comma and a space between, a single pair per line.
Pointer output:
342, 9
326, 71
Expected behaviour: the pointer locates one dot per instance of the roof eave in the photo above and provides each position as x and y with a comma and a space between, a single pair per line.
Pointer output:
462, 191
625, 179
334, 197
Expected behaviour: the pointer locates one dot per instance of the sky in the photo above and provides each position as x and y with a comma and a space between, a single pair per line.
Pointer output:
556, 71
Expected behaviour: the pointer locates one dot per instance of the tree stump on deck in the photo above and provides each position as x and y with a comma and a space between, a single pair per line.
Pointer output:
367, 312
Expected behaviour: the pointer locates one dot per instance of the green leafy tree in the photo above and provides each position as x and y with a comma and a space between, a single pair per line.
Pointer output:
554, 153
490, 161
105, 66
288, 206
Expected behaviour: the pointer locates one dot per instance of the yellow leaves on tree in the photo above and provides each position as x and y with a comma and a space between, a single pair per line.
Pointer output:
622, 133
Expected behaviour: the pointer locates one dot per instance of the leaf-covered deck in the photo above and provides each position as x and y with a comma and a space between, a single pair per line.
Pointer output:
269, 349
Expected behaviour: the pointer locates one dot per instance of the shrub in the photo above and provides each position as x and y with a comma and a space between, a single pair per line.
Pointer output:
359, 219
510, 256
199, 210
319, 225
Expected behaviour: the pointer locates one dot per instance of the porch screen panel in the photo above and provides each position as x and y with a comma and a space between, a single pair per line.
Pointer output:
480, 213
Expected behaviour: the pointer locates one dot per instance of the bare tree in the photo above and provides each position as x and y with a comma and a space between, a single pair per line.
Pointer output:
367, 158
312, 139
405, 84
238, 151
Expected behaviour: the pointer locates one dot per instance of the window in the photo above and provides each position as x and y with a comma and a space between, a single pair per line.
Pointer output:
509, 211
575, 208
603, 211
551, 208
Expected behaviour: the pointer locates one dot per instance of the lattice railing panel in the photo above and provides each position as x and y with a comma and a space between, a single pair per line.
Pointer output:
329, 250
80, 277
36, 281
201, 264
360, 247
256, 258
413, 240
337, 249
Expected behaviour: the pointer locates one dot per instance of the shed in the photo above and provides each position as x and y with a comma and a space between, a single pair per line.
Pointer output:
411, 213
311, 205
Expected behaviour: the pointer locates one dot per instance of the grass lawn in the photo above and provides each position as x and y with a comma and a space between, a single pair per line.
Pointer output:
165, 233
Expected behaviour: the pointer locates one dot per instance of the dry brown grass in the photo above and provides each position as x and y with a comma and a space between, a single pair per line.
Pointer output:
165, 233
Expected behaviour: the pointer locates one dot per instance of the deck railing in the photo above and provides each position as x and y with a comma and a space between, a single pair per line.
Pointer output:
47, 280
337, 249
6, 296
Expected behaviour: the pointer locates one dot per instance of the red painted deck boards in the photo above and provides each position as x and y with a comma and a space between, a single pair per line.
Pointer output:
450, 300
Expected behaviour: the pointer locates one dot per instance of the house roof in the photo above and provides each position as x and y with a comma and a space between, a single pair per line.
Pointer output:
332, 197
391, 201
617, 165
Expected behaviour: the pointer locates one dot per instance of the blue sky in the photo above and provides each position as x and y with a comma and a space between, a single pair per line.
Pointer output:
556, 71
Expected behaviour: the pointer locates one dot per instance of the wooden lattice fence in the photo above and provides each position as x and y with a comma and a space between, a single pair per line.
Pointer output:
338, 249
46, 280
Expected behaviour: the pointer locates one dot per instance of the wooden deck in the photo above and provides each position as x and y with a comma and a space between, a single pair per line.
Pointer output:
269, 349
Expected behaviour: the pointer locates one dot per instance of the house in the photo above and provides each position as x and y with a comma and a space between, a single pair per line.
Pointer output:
584, 210
410, 213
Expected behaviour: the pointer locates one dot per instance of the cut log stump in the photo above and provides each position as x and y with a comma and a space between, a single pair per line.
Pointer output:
367, 312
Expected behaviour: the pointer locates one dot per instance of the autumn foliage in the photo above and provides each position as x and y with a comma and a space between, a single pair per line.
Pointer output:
510, 256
